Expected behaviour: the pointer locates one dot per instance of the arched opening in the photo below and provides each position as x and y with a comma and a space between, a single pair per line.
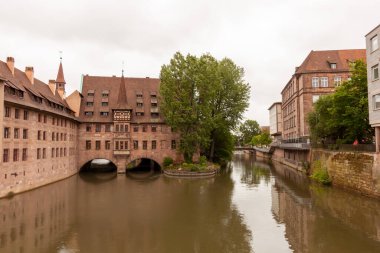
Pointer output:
99, 166
142, 168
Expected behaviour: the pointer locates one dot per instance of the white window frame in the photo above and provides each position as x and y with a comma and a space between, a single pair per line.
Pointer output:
376, 67
333, 65
374, 43
315, 82
337, 80
324, 82
374, 102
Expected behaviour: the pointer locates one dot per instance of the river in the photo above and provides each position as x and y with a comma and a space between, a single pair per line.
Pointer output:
253, 206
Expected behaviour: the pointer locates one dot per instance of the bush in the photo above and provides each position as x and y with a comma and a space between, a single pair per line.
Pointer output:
320, 173
167, 161
202, 160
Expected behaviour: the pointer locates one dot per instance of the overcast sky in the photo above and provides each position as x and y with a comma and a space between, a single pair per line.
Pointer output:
268, 38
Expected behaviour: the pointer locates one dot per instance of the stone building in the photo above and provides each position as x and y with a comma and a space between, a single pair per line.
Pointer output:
373, 60
47, 136
319, 74
38, 130
121, 121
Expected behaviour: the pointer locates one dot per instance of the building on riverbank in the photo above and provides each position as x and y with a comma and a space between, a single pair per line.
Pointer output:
275, 120
121, 121
47, 136
39, 130
319, 74
373, 60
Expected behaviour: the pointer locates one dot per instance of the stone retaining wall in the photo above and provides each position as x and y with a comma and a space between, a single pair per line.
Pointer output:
352, 170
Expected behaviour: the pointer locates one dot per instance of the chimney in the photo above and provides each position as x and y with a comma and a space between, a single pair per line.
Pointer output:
11, 64
29, 72
52, 86
297, 69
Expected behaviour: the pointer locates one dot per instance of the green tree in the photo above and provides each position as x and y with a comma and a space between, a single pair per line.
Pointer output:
262, 139
201, 98
249, 129
343, 115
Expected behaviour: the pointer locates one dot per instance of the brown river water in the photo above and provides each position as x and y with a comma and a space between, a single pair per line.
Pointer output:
253, 206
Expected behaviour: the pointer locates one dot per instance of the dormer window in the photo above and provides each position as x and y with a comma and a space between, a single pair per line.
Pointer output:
333, 65
90, 93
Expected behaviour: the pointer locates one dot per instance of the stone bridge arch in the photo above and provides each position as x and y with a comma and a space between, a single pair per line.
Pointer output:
85, 166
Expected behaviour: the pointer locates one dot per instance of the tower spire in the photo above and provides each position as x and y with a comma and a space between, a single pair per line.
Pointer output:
60, 80
122, 96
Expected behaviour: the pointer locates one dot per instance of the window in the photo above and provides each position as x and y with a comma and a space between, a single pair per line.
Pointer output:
126, 128
56, 152
25, 133
144, 128
39, 135
26, 115
333, 65
88, 128
24, 154
107, 145
108, 128
44, 135
121, 145
135, 129
39, 117
88, 145
126, 144
121, 128
7, 112
15, 154
17, 113
145, 145
38, 153
98, 128
376, 101
139, 104
97, 145
374, 43
45, 119
89, 104
324, 82
375, 72
52, 152
104, 113
154, 129
315, 82
315, 98
90, 93
16, 133
337, 81
139, 114
105, 93
154, 144
104, 103
135, 144
7, 132
5, 155
88, 113
44, 153
174, 144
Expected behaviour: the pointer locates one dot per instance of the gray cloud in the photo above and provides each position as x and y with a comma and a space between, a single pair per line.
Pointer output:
268, 38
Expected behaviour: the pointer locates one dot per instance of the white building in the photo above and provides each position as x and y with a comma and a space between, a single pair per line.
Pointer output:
275, 120
373, 59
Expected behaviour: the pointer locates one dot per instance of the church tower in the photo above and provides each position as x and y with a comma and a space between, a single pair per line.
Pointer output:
60, 81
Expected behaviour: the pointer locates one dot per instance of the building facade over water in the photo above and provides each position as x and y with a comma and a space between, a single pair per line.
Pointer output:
47, 136
373, 60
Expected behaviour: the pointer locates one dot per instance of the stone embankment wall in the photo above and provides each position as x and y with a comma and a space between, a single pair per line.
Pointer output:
352, 170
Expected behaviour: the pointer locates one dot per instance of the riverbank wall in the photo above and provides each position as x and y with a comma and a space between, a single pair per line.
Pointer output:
357, 171
351, 170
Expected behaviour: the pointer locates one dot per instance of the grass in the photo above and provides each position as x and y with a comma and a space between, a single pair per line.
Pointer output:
320, 173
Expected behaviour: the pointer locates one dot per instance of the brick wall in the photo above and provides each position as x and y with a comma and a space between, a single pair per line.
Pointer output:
355, 171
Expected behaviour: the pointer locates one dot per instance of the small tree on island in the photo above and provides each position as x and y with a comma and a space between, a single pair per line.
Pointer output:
343, 115
203, 98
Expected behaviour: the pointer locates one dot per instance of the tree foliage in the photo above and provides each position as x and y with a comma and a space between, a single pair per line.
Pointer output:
261, 140
202, 97
343, 115
248, 130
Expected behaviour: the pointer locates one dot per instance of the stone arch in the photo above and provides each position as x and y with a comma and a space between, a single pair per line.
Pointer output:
144, 158
84, 166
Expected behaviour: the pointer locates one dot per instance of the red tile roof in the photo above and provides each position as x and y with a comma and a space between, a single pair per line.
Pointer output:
319, 61
112, 85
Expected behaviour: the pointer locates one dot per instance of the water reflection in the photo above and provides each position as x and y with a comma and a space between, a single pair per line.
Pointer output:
250, 206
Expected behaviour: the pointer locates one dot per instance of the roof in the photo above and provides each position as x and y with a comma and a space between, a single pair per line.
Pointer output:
319, 61
60, 76
40, 89
113, 86
275, 103
372, 30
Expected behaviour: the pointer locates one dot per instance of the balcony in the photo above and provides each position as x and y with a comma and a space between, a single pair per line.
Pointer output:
301, 143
